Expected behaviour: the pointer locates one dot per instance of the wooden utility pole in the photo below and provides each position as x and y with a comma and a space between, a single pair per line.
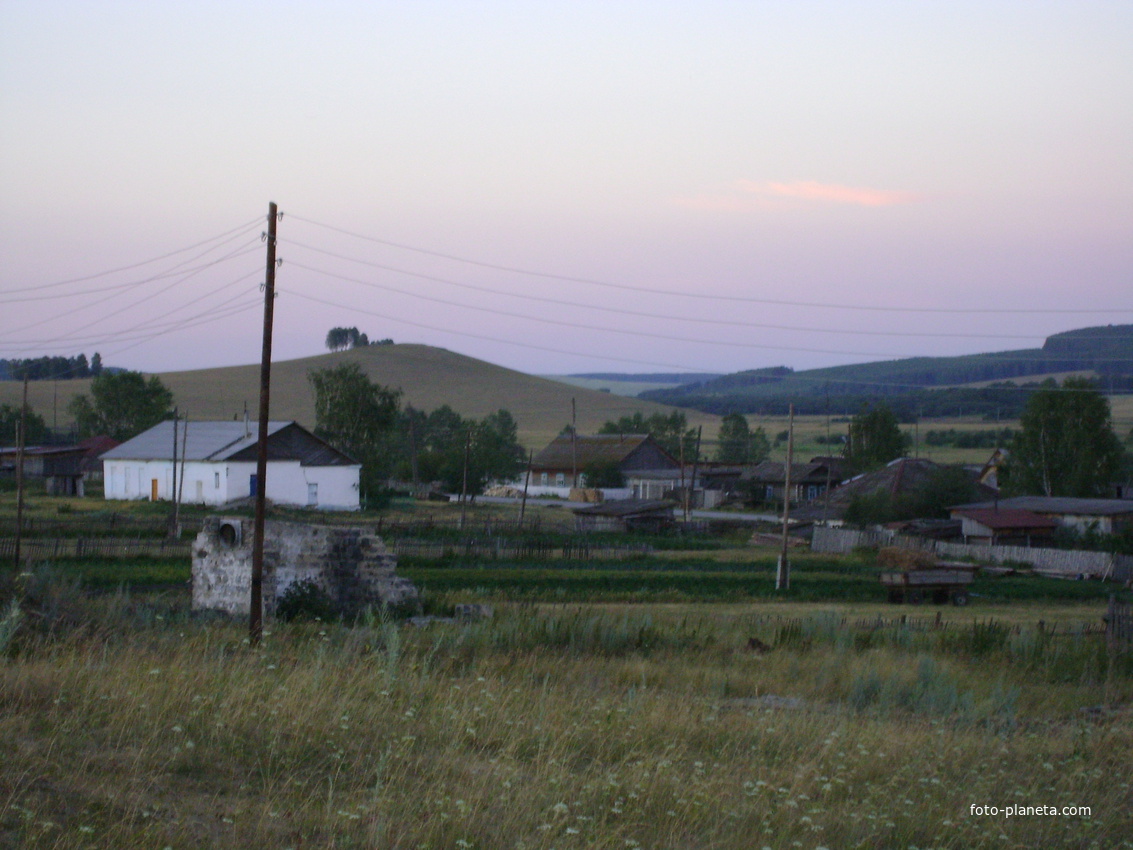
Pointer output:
181, 483
256, 611
173, 493
783, 574
21, 440
413, 451
526, 484
464, 479
695, 462
573, 444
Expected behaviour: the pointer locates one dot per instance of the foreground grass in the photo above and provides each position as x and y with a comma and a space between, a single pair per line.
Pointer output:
554, 726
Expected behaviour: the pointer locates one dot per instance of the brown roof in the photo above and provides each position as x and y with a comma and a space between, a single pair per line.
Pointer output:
590, 448
773, 470
1006, 518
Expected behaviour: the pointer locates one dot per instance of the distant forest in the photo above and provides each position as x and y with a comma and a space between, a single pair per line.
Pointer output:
918, 386
51, 368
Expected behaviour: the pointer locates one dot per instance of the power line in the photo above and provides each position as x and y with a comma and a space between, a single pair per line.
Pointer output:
702, 295
154, 326
624, 331
165, 275
411, 323
243, 227
638, 313
185, 275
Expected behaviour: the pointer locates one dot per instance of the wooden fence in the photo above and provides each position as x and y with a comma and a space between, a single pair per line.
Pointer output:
930, 624
1119, 625
1070, 562
503, 549
41, 549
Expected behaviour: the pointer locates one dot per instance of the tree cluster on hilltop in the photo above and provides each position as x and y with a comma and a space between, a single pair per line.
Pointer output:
340, 339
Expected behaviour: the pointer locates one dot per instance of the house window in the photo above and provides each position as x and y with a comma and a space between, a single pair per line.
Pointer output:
312, 494
543, 478
560, 479
811, 492
216, 480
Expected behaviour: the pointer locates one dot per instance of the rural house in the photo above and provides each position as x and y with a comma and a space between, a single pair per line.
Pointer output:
64, 469
217, 465
647, 468
809, 481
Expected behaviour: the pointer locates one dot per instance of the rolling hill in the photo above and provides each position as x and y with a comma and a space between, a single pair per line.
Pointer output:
429, 377
918, 383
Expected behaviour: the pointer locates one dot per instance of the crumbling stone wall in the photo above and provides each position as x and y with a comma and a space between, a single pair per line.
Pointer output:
350, 564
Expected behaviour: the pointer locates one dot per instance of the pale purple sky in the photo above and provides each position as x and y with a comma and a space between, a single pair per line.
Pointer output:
953, 156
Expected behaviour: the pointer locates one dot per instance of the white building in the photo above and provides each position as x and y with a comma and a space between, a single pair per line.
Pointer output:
218, 465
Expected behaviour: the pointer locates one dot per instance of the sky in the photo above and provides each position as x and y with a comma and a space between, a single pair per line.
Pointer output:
565, 187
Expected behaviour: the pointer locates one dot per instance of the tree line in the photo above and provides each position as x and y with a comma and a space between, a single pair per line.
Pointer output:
51, 368
368, 422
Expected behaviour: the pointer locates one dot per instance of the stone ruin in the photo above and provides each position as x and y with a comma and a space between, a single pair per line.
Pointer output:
350, 564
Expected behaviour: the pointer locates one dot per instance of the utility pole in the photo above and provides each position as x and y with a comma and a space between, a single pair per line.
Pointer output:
695, 463
173, 492
783, 574
181, 484
526, 484
256, 611
464, 480
413, 450
573, 444
20, 442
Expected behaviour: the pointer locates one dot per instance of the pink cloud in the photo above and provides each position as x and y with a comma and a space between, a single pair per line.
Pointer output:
811, 190
746, 195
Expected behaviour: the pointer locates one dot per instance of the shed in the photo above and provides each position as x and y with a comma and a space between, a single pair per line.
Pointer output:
1006, 526
625, 515
1106, 516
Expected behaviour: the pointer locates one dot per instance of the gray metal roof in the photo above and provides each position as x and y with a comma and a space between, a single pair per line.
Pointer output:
1059, 505
202, 441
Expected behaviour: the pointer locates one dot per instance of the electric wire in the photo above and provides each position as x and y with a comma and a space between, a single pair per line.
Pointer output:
243, 227
579, 325
155, 325
646, 315
703, 295
620, 331
236, 253
165, 275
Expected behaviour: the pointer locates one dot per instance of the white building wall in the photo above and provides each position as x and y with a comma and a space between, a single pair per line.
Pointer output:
216, 483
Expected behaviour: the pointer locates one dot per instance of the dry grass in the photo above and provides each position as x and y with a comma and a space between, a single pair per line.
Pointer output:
548, 727
429, 377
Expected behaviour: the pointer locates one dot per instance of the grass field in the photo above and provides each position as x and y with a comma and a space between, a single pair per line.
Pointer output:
617, 704
565, 726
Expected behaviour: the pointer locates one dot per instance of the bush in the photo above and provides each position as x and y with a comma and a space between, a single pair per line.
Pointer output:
304, 600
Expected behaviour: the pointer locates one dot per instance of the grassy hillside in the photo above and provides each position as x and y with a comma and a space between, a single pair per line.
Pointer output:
918, 381
429, 377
